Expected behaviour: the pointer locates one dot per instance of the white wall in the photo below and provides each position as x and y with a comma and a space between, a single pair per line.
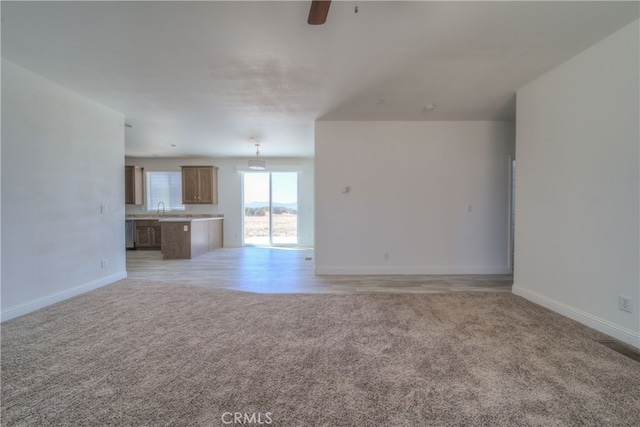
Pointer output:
577, 195
410, 185
62, 158
230, 191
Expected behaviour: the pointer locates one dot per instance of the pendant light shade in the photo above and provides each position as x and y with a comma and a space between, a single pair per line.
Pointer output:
257, 164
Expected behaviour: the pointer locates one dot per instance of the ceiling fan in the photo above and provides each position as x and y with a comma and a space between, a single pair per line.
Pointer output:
318, 12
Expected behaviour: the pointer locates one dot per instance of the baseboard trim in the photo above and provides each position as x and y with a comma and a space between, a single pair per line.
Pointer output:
619, 332
363, 271
28, 307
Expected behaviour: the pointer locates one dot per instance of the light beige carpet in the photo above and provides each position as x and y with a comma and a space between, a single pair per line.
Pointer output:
139, 353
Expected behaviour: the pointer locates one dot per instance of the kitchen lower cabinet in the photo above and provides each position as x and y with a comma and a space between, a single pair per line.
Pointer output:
148, 234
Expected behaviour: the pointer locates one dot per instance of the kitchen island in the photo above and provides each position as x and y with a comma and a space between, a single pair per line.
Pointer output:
186, 238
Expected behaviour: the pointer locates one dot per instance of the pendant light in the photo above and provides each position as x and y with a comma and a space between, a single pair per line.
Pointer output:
257, 164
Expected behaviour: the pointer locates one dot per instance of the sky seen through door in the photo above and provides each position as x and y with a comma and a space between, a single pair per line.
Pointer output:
256, 189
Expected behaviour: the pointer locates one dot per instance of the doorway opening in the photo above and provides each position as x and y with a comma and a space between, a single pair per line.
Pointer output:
270, 208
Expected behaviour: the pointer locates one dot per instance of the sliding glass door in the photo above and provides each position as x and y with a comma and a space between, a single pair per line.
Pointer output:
271, 208
256, 209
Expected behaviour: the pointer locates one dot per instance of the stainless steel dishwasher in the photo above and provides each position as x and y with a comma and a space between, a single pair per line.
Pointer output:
128, 229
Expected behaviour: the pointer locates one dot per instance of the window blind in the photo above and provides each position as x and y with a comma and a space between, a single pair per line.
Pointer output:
165, 187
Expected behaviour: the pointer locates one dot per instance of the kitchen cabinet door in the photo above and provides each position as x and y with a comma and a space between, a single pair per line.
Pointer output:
199, 185
133, 194
156, 235
190, 188
148, 234
143, 237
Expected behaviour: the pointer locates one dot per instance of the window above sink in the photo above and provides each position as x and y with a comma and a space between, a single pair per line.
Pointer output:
165, 187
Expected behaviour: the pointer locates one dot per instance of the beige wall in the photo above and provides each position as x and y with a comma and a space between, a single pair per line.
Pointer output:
62, 159
577, 194
410, 185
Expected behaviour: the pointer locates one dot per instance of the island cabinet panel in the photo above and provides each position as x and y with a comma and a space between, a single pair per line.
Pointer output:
215, 235
177, 240
189, 239
199, 185
133, 194
199, 238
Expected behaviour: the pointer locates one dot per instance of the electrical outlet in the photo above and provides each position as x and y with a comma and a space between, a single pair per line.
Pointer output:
105, 263
624, 304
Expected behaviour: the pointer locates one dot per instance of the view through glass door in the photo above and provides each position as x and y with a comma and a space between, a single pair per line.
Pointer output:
271, 208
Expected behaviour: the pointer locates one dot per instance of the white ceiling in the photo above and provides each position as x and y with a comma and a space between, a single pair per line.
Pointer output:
207, 76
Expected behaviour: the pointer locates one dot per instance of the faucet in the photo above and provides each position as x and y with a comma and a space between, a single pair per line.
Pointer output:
163, 214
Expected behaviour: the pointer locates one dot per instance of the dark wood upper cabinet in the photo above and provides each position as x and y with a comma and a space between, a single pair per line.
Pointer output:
199, 185
133, 194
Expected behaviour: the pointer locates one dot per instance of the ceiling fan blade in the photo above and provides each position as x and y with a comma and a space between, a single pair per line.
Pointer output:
318, 12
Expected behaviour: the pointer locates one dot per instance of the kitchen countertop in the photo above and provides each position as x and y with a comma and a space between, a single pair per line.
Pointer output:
187, 219
172, 218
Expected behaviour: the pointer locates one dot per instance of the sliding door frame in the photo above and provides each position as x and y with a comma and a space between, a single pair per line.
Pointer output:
270, 212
